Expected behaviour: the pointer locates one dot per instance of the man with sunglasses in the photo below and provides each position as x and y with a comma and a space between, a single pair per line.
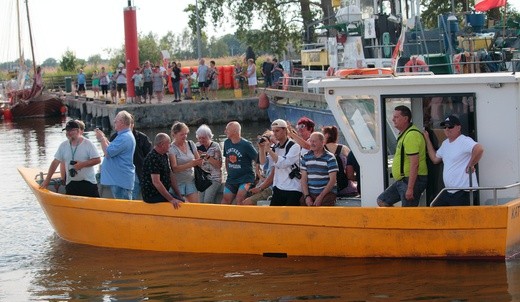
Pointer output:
460, 154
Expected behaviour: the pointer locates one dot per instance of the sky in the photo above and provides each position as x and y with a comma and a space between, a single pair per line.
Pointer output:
88, 27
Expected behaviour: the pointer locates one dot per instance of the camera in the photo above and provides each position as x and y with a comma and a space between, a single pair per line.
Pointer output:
295, 172
263, 139
73, 171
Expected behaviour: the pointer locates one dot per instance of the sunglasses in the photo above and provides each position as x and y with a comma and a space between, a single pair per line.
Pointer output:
301, 126
449, 127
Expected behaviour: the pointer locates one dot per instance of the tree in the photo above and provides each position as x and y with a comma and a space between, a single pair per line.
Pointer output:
68, 61
282, 21
433, 8
95, 60
236, 47
217, 48
50, 62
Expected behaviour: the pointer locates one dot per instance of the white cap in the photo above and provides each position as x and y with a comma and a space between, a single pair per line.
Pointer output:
279, 123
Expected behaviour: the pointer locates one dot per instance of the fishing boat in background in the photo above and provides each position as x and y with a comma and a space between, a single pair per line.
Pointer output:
23, 99
366, 36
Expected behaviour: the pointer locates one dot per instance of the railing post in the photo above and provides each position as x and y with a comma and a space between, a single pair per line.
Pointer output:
471, 186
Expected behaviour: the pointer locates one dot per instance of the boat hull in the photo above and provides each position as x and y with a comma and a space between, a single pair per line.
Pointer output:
43, 105
454, 232
292, 111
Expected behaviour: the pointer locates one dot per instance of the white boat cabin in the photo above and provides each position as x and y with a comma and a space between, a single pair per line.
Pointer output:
487, 105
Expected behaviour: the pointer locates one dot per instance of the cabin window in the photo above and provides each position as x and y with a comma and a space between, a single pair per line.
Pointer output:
360, 114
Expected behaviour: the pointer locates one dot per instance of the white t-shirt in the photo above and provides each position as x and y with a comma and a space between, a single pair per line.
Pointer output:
456, 156
283, 167
84, 151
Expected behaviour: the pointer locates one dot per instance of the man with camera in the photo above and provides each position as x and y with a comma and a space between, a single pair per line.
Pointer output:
319, 190
287, 189
79, 156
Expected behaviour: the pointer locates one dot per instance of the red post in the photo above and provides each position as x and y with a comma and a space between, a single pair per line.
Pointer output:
131, 47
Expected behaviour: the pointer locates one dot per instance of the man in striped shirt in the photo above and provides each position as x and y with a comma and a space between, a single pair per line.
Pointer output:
319, 169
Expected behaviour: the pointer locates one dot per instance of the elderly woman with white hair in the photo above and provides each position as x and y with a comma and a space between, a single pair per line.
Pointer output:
212, 154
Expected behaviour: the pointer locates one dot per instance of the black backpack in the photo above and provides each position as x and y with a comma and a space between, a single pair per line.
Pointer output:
341, 178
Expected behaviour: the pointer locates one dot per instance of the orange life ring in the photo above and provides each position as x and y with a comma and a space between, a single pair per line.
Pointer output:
456, 62
362, 71
330, 71
285, 81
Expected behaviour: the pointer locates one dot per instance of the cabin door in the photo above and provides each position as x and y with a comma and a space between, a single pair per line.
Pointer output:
428, 111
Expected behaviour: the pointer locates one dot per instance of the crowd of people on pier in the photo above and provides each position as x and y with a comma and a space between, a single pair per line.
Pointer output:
154, 80
292, 165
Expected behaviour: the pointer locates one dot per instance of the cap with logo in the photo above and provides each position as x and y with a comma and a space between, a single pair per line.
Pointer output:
450, 121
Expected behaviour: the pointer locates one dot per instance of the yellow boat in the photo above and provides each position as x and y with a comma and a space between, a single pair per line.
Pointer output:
473, 232
362, 109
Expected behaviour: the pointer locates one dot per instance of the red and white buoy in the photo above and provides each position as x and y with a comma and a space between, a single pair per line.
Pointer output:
263, 101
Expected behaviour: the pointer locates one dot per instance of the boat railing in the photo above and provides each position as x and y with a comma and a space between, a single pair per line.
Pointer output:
471, 189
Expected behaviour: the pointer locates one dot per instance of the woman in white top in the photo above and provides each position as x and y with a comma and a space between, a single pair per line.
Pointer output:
183, 157
251, 76
212, 154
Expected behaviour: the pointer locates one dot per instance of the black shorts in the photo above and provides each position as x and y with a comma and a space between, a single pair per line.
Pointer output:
81, 87
82, 188
203, 84
121, 87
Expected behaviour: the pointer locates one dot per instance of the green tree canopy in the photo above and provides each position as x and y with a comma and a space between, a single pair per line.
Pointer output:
68, 61
281, 21
50, 62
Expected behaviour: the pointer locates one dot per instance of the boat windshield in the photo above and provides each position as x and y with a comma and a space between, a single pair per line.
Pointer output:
360, 115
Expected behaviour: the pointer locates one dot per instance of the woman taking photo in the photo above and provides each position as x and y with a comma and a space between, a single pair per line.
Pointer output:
211, 153
183, 157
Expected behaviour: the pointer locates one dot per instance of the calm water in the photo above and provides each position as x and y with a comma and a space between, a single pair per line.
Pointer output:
37, 265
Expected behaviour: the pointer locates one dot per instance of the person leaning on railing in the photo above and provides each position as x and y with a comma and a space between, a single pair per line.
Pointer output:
460, 154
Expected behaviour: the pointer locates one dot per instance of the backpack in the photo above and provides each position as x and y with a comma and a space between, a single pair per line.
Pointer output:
341, 178
342, 181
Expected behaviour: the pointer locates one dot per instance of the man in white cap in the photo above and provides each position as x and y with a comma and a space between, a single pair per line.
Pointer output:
460, 154
287, 189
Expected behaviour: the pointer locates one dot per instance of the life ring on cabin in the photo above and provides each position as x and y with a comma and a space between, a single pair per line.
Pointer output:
362, 71
285, 81
415, 64
461, 58
330, 71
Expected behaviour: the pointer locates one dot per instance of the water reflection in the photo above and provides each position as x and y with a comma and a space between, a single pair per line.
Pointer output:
33, 131
69, 271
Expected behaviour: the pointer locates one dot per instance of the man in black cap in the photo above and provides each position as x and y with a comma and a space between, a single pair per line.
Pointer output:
79, 156
460, 154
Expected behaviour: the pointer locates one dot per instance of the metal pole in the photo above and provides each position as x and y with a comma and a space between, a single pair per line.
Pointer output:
199, 49
470, 185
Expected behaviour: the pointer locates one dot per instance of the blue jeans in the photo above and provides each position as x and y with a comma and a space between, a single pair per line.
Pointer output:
121, 193
397, 191
137, 189
177, 90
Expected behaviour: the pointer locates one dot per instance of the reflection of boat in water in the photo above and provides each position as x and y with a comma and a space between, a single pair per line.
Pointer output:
32, 101
68, 271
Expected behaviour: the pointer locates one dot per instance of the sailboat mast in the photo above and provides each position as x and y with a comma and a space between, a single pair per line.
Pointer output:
20, 51
30, 36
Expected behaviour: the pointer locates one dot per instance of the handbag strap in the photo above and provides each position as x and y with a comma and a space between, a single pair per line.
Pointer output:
189, 144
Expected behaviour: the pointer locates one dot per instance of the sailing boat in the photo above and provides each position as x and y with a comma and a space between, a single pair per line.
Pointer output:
34, 101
